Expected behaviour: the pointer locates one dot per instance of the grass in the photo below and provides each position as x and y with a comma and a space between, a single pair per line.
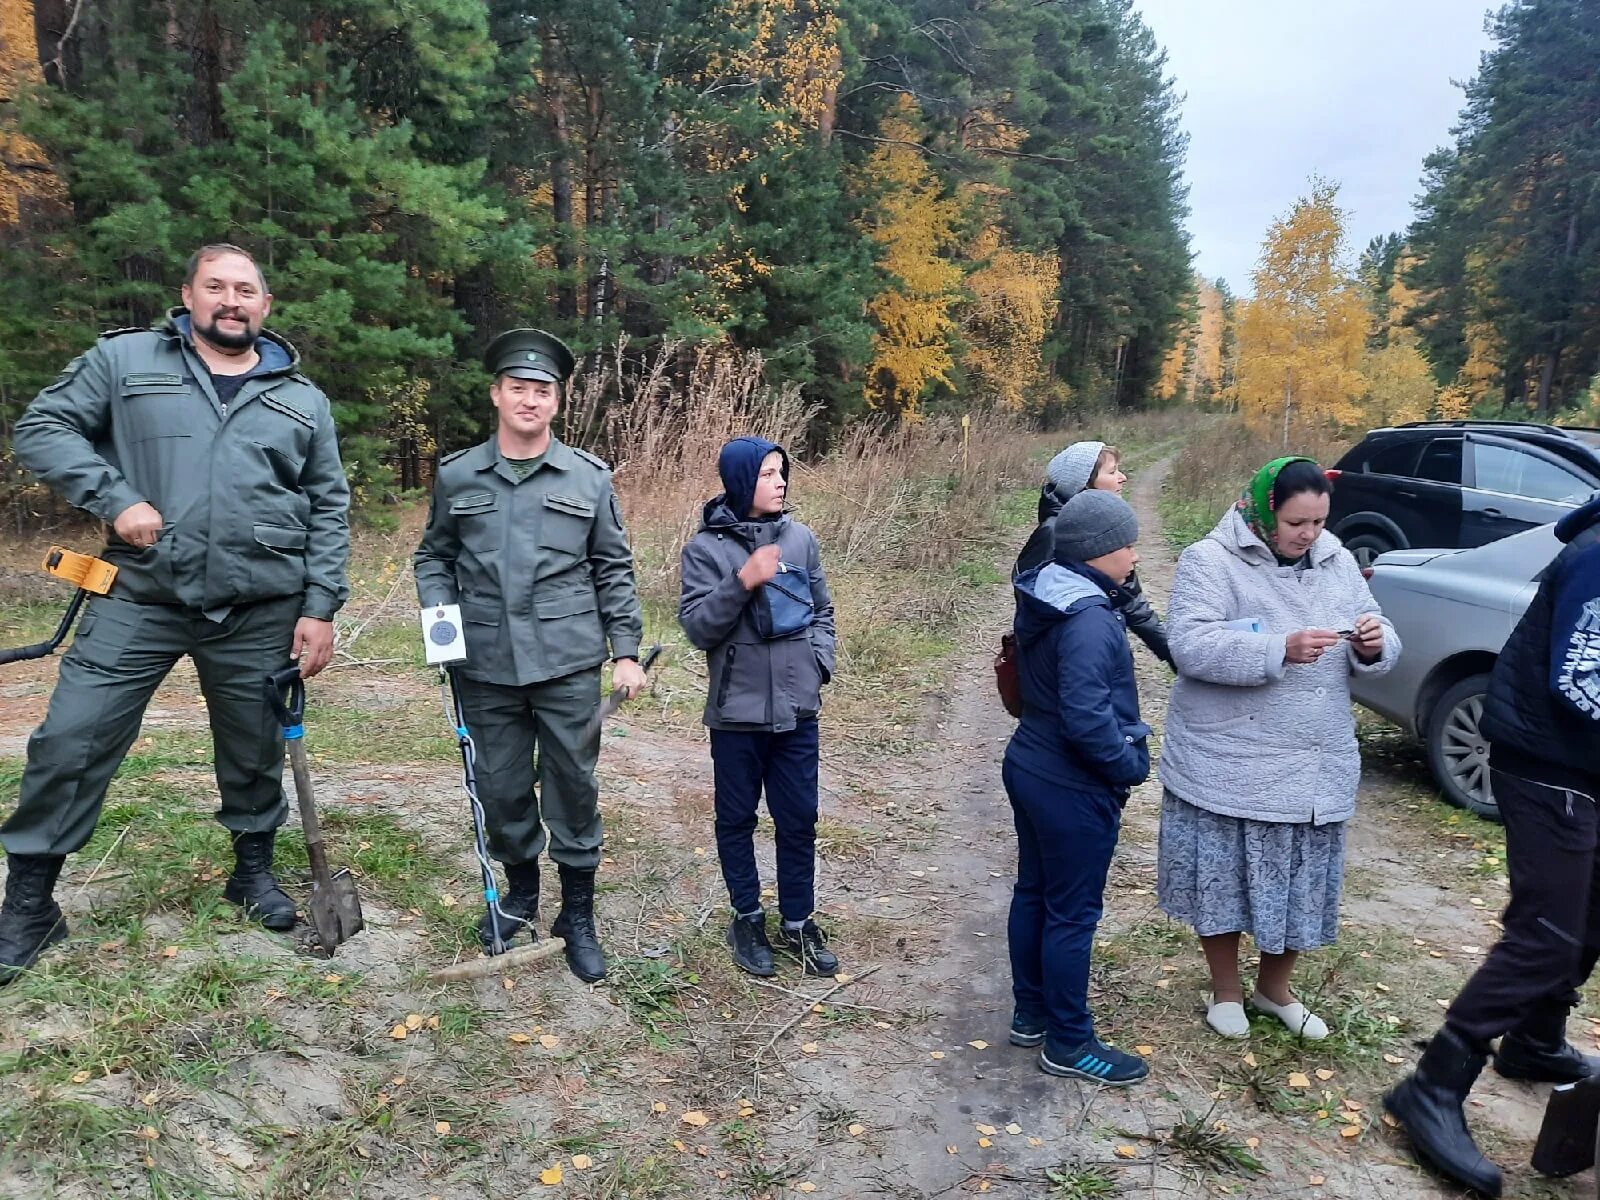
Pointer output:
1082, 1181
1207, 1144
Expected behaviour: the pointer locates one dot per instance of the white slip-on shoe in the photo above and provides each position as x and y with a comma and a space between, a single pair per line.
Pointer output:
1295, 1016
1228, 1018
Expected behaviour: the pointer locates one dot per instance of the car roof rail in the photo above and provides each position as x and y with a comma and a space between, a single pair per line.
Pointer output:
1530, 426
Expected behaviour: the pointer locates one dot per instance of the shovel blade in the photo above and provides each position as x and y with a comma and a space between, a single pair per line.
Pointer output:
335, 910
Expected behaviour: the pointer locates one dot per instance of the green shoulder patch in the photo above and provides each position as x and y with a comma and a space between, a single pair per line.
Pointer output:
111, 333
453, 455
592, 459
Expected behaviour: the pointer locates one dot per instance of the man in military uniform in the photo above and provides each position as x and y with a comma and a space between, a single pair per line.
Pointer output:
525, 533
213, 461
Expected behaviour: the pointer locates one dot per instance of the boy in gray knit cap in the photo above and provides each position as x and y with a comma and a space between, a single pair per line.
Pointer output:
1084, 467
1079, 748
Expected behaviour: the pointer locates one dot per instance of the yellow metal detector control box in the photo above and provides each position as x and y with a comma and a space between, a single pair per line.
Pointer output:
91, 574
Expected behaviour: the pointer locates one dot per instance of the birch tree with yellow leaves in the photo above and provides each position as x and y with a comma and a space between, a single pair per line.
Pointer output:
1302, 335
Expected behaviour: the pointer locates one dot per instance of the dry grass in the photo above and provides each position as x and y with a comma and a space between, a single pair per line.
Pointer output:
1216, 462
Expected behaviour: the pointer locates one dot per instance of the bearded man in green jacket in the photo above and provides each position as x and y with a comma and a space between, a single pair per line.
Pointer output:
214, 464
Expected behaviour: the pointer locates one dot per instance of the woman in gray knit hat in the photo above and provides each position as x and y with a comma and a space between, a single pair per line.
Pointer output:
1091, 466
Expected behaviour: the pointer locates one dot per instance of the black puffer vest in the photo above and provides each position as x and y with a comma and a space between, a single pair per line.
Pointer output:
1531, 734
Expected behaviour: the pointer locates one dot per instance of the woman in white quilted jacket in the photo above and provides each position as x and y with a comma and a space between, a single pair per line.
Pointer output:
1269, 617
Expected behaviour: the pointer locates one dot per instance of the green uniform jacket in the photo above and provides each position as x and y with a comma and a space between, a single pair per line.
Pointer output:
541, 568
253, 497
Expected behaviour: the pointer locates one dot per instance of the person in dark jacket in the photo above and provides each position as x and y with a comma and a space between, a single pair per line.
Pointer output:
1542, 719
1078, 749
1080, 466
755, 600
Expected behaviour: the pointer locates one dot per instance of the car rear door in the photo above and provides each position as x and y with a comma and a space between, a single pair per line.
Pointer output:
1512, 486
1429, 503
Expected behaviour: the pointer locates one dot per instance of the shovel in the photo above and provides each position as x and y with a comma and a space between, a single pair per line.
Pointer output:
334, 907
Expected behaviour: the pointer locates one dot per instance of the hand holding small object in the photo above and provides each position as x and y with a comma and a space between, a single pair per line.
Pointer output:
1367, 640
760, 567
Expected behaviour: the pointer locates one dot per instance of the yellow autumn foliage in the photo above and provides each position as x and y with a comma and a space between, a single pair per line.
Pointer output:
794, 43
1192, 370
1302, 336
21, 162
1014, 302
1400, 384
916, 227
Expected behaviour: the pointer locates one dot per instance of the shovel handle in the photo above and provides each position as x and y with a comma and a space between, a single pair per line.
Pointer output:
291, 709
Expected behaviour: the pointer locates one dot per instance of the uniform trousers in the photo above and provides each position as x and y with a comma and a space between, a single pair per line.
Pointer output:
537, 734
120, 655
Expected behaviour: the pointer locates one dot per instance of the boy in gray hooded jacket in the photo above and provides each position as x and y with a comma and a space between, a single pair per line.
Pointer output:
754, 599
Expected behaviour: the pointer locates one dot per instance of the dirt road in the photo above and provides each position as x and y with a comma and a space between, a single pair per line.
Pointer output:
288, 1077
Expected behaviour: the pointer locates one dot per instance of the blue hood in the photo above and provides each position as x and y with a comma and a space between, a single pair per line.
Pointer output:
1579, 519
739, 464
1052, 593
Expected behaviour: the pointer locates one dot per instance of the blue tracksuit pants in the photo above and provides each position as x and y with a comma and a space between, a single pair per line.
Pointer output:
1065, 839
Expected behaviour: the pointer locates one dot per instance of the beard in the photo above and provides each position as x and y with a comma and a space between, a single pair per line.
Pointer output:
225, 339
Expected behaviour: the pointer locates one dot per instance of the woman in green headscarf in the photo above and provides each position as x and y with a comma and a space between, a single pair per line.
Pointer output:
1269, 618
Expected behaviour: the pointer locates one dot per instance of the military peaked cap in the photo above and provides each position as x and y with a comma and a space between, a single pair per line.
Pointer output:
529, 354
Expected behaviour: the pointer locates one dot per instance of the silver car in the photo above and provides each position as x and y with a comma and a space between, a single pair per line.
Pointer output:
1453, 610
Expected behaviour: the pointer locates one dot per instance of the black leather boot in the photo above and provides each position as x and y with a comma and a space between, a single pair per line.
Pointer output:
752, 952
1428, 1103
30, 919
1537, 1050
519, 904
575, 923
810, 945
252, 887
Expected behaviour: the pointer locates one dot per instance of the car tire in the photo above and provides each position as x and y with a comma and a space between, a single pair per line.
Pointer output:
1367, 546
1458, 753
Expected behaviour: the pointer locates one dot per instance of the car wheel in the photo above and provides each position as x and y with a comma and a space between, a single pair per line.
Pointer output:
1458, 752
1367, 546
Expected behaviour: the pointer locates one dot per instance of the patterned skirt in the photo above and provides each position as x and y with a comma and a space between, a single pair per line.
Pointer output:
1278, 882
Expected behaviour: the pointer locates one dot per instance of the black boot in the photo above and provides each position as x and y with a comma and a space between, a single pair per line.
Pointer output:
252, 887
810, 945
747, 938
519, 904
1428, 1103
575, 923
1537, 1050
30, 919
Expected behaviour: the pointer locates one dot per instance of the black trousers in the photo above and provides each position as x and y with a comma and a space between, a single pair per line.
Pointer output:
1551, 942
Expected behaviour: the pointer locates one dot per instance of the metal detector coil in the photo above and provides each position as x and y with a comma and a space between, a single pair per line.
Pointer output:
93, 576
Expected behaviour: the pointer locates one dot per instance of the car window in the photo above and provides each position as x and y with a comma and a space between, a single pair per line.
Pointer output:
1502, 469
1400, 458
1441, 461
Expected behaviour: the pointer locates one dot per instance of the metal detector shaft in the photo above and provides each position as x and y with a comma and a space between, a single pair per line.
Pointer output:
47, 647
469, 777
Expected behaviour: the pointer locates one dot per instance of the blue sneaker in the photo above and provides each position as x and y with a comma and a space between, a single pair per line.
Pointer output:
1026, 1031
1095, 1062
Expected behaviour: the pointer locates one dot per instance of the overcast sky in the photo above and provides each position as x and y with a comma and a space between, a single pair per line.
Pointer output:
1358, 91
